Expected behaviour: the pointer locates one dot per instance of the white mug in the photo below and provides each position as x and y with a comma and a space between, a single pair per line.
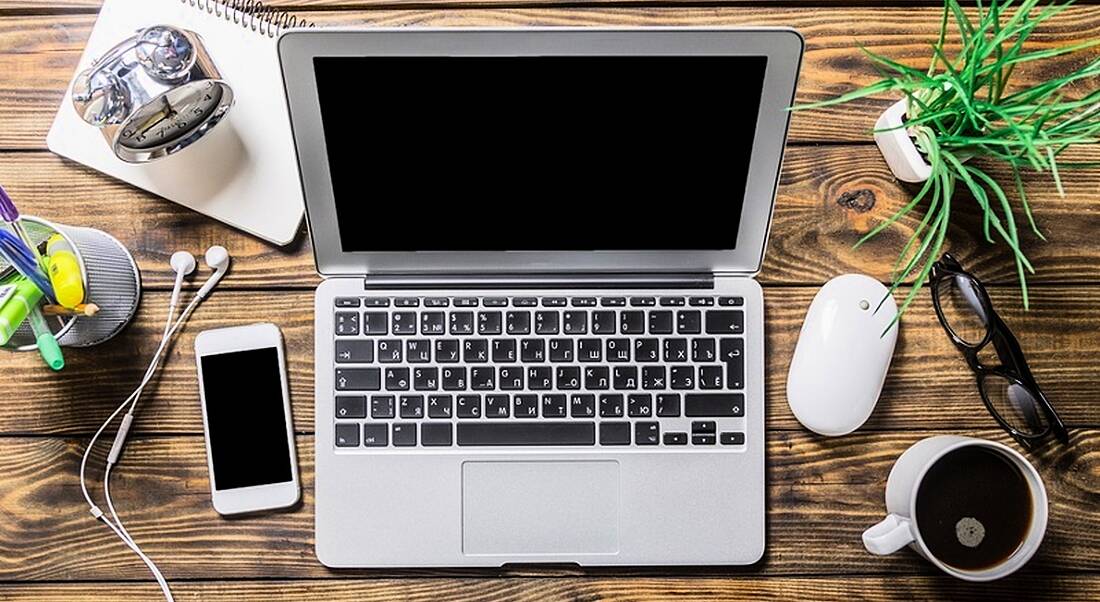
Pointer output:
900, 528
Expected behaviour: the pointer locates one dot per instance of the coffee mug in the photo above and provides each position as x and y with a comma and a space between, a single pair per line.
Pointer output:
974, 508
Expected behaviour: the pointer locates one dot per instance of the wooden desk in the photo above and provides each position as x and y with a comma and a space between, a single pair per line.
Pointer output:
822, 492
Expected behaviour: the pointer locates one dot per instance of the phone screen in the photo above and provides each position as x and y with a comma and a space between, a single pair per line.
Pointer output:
245, 418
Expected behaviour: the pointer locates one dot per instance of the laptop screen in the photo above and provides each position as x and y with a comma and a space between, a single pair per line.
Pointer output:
562, 153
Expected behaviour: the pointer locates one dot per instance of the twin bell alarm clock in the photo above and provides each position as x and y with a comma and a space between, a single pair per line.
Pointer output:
154, 94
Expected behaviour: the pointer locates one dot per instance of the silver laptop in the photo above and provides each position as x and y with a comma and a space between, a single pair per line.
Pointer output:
539, 339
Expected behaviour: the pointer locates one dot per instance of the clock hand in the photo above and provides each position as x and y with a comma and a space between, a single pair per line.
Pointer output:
167, 113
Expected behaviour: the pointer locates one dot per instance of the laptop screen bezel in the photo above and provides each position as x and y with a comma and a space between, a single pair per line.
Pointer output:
297, 48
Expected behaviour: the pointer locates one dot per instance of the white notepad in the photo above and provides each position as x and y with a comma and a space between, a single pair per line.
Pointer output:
244, 172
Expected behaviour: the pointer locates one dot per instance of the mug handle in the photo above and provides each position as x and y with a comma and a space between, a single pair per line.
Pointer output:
889, 536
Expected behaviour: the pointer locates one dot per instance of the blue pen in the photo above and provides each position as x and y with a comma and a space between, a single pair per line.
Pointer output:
21, 258
10, 214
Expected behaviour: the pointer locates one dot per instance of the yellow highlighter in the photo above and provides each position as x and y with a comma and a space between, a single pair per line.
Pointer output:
65, 276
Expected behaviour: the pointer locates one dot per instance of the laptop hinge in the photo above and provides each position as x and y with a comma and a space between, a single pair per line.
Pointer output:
538, 281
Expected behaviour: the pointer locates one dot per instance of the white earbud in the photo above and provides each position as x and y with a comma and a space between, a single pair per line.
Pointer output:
183, 263
217, 257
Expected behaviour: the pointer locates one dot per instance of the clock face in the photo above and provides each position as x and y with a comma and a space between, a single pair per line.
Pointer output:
171, 116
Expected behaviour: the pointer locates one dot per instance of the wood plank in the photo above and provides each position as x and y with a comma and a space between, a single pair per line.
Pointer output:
41, 52
813, 232
305, 6
929, 385
822, 493
1067, 588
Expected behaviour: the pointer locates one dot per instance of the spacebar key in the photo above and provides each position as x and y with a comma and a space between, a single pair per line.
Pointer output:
714, 405
526, 433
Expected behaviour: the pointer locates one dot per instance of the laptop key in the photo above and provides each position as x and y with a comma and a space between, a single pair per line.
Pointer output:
446, 351
642, 301
702, 439
547, 322
418, 351
553, 301
682, 377
561, 350
347, 302
618, 350
376, 435
440, 406
382, 406
699, 427
553, 405
654, 378
597, 378
701, 301
495, 302
376, 302
582, 405
613, 301
733, 438
404, 322
584, 302
397, 379
647, 350
389, 351
647, 433
406, 302
347, 435
526, 433
483, 378
376, 323
518, 322
624, 378
351, 407
702, 351
540, 378
504, 351
468, 406
725, 321
404, 434
432, 322
354, 351
462, 322
475, 351
632, 322
731, 301
437, 302
525, 302
454, 378
639, 405
426, 379
435, 434
614, 433
668, 405
589, 350
568, 378
358, 379
465, 301
717, 405
489, 322
525, 406
710, 377
411, 406
672, 301
676, 439
676, 350
732, 353
689, 321
611, 406
496, 406
347, 323
603, 322
660, 322
575, 322
511, 378
532, 350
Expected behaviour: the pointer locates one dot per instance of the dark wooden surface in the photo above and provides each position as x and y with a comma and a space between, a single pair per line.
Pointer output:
822, 492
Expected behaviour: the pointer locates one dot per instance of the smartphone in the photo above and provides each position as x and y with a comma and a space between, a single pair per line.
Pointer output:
246, 418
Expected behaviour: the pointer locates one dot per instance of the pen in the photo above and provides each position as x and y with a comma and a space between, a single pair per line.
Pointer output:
9, 213
18, 305
16, 253
47, 344
84, 309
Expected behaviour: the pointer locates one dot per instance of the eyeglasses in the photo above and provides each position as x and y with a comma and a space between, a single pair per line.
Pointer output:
1009, 390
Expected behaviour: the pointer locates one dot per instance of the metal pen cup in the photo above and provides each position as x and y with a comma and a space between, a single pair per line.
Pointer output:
111, 281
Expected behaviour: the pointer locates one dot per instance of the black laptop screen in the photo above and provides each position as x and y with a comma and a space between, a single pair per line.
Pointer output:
539, 153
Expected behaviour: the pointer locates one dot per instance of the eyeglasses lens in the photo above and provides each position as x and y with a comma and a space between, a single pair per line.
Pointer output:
1014, 403
961, 303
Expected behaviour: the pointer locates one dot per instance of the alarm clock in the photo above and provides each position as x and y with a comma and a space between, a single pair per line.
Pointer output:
154, 94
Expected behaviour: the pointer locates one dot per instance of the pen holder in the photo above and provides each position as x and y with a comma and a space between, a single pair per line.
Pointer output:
111, 281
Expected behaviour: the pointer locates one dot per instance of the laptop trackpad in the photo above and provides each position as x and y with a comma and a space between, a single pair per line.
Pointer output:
540, 507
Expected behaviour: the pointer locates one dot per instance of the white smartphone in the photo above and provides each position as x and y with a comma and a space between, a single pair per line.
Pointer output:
247, 420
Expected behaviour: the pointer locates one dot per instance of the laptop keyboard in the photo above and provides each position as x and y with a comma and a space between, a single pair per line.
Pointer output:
435, 372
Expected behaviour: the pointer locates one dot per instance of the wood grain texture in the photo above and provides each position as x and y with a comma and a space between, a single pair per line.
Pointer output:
822, 493
929, 385
813, 213
1060, 588
39, 53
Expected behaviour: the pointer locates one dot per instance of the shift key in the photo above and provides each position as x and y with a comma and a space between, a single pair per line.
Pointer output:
358, 379
714, 405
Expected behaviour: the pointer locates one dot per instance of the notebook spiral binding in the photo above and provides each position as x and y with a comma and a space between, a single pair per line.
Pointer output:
251, 14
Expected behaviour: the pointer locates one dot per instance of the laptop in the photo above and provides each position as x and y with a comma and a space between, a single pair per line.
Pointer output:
539, 338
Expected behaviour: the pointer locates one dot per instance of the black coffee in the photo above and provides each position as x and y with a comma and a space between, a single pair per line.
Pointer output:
973, 508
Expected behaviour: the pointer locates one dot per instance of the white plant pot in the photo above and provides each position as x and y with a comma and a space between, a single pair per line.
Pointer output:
897, 146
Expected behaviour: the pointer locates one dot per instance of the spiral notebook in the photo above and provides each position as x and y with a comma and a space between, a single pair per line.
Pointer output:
244, 172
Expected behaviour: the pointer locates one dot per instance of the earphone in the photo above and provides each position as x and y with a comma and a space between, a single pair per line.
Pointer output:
183, 264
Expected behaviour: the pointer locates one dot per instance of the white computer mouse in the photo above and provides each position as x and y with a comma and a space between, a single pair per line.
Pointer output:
842, 355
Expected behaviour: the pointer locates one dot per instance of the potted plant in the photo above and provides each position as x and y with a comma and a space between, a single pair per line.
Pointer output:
963, 114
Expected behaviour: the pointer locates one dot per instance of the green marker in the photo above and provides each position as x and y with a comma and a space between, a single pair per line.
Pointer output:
47, 343
23, 296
